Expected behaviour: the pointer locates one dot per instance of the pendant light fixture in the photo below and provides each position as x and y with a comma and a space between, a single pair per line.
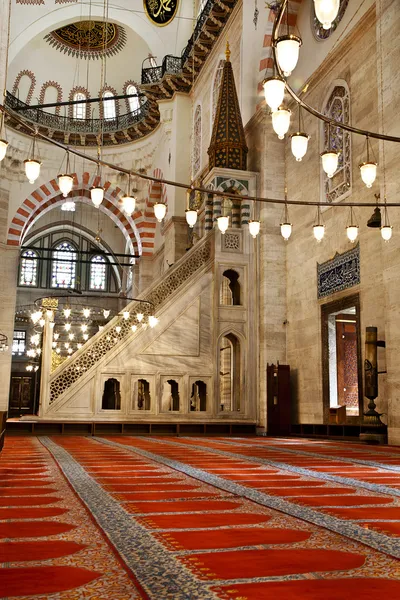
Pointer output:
32, 165
386, 229
286, 226
330, 158
319, 227
190, 212
223, 224
274, 91
128, 201
299, 140
97, 191
3, 141
287, 49
368, 168
66, 181
160, 210
281, 121
352, 228
326, 11
254, 228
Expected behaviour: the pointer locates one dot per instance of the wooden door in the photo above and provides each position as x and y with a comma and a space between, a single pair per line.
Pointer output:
21, 395
347, 360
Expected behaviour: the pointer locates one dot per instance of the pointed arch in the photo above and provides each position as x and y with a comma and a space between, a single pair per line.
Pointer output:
108, 90
82, 91
132, 104
135, 228
59, 94
15, 89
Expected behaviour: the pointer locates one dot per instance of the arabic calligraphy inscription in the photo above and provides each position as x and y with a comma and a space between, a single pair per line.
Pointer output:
161, 12
340, 273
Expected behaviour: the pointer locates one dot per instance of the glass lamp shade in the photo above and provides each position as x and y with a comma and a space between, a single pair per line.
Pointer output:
67, 326
254, 228
32, 169
153, 321
286, 230
299, 145
319, 232
330, 162
281, 121
352, 233
191, 217
106, 313
3, 149
134, 327
386, 232
223, 224
326, 11
42, 322
65, 183
128, 204
368, 173
139, 317
287, 52
126, 314
97, 195
86, 313
160, 210
274, 90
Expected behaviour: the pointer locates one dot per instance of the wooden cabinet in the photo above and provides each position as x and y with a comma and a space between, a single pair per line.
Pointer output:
278, 400
21, 395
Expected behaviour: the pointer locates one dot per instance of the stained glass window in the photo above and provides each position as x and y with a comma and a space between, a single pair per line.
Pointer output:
337, 108
79, 110
216, 87
134, 103
109, 106
29, 268
64, 266
197, 140
98, 273
19, 342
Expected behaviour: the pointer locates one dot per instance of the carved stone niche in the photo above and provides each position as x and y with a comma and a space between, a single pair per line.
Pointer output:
142, 394
111, 396
199, 395
172, 394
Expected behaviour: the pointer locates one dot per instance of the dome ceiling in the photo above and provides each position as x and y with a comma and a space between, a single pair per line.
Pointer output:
88, 39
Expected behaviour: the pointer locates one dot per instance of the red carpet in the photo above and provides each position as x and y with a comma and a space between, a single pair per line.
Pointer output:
23, 551
389, 513
42, 580
154, 495
31, 501
243, 564
198, 521
344, 500
389, 528
182, 507
231, 538
306, 491
31, 529
30, 513
331, 589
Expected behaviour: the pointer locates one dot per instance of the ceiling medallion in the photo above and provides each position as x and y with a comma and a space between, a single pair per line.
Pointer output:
319, 32
161, 12
88, 39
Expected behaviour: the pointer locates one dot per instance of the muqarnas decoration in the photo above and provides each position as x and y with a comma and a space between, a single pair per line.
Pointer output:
88, 39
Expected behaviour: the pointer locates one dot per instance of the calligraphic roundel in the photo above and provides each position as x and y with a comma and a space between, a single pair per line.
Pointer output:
161, 12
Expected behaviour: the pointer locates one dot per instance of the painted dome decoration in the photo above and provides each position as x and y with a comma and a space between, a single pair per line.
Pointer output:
88, 39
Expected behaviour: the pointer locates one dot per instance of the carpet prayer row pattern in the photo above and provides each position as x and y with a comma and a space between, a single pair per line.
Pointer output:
121, 518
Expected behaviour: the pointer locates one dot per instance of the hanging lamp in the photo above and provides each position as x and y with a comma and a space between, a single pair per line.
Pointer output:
3, 141
286, 226
190, 213
319, 227
326, 11
330, 158
128, 201
299, 140
386, 229
287, 49
66, 181
254, 228
160, 210
368, 169
352, 228
223, 224
281, 121
32, 165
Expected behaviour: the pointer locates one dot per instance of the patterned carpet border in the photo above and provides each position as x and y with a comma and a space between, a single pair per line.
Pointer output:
154, 567
358, 461
370, 538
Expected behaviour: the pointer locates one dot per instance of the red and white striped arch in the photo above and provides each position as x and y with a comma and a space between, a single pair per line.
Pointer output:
136, 229
266, 60
157, 193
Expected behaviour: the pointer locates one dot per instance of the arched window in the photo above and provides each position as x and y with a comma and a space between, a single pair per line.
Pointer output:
63, 273
197, 140
29, 268
98, 271
143, 395
215, 90
79, 110
24, 86
109, 109
337, 107
111, 395
229, 373
230, 288
198, 397
134, 103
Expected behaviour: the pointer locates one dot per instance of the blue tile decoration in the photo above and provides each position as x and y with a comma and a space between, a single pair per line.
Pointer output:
352, 530
340, 273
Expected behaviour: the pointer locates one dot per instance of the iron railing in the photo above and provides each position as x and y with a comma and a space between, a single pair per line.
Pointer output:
175, 64
71, 125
